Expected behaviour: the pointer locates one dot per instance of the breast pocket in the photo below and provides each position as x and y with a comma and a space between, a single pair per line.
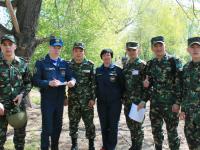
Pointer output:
4, 78
49, 73
86, 73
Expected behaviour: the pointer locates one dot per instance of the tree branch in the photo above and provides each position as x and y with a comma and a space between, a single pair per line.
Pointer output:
3, 4
183, 10
13, 17
41, 40
193, 8
4, 30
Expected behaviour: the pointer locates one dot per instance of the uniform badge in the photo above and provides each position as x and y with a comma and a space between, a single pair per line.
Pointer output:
86, 71
113, 77
62, 71
49, 69
135, 72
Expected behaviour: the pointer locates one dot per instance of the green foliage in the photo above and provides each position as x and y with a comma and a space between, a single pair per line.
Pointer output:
111, 23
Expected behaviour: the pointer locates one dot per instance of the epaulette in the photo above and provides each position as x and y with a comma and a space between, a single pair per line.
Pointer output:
41, 59
91, 62
118, 66
20, 59
23, 59
67, 61
144, 62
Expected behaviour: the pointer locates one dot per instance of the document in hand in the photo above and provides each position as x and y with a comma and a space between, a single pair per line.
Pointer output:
135, 114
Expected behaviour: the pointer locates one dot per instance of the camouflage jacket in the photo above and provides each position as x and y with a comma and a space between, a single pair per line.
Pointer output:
133, 73
15, 79
165, 80
84, 90
191, 86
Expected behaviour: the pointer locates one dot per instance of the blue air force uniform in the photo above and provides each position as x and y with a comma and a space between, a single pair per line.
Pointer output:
109, 90
52, 98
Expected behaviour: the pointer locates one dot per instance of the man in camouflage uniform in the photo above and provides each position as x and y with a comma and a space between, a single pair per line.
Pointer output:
163, 78
81, 96
15, 84
190, 106
133, 72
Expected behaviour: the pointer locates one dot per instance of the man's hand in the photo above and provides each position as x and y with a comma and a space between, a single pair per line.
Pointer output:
140, 105
182, 115
17, 100
175, 108
54, 83
1, 109
146, 82
71, 83
91, 103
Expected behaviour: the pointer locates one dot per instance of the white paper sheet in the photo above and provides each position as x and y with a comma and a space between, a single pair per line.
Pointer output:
62, 83
137, 115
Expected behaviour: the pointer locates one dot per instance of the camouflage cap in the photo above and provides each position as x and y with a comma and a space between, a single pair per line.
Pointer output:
157, 39
132, 45
193, 40
79, 45
54, 41
8, 37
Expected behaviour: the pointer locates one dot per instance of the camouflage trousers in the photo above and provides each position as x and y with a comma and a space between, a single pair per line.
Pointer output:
136, 130
75, 113
159, 114
192, 130
19, 135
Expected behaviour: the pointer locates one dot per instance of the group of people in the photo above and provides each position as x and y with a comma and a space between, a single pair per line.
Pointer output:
172, 89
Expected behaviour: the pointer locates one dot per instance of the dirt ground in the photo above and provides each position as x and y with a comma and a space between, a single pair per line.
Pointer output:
34, 130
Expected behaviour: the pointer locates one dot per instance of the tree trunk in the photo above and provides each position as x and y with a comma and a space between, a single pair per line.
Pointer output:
27, 14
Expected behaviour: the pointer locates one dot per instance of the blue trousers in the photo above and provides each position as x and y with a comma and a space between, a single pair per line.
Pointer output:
109, 115
52, 114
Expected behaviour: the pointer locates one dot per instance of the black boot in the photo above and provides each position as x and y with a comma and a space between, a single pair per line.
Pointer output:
19, 148
158, 147
54, 148
91, 144
74, 144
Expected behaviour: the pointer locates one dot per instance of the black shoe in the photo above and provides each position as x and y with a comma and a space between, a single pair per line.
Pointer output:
91, 144
74, 147
54, 148
74, 144
158, 147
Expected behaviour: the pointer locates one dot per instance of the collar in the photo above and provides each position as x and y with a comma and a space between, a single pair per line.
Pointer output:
134, 61
109, 67
48, 59
165, 57
83, 62
16, 60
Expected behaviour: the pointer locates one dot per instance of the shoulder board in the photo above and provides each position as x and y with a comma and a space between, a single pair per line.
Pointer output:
143, 62
118, 66
91, 62
20, 59
41, 59
67, 61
